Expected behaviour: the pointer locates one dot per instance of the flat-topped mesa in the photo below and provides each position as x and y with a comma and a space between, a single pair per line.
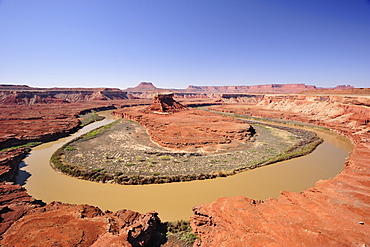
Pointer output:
164, 103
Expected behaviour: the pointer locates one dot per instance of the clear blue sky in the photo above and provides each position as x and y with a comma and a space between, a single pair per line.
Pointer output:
176, 43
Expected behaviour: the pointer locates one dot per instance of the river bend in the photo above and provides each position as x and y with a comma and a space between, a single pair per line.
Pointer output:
173, 201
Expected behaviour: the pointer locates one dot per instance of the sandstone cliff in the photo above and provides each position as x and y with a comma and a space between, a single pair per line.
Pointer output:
268, 88
24, 95
335, 212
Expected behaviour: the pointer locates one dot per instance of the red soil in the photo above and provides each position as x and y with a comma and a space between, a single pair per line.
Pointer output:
189, 129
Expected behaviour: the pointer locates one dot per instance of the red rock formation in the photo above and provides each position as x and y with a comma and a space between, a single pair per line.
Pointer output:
189, 128
24, 95
59, 224
145, 86
269, 88
164, 103
335, 212
23, 123
9, 161
339, 90
14, 203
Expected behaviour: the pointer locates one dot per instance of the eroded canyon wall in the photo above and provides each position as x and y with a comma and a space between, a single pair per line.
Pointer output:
24, 95
335, 212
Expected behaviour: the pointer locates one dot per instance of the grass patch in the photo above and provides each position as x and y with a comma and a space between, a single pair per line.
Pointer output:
27, 145
97, 131
70, 148
131, 164
151, 164
140, 158
165, 157
181, 230
89, 118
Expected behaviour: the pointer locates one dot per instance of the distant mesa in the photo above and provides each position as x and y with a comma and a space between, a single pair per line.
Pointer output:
268, 88
164, 103
25, 95
146, 85
344, 87
143, 87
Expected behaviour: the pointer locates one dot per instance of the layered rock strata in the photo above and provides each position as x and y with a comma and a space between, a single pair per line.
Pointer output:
335, 212
268, 88
24, 95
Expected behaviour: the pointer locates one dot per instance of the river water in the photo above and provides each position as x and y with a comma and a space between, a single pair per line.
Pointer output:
174, 201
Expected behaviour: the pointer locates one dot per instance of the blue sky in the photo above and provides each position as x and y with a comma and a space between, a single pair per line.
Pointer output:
176, 43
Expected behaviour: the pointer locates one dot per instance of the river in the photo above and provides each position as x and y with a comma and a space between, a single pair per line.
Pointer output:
174, 201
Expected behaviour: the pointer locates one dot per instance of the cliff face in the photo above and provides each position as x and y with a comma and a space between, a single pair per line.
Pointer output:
269, 88
30, 96
335, 212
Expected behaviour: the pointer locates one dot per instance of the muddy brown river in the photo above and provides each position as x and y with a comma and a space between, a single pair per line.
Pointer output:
174, 201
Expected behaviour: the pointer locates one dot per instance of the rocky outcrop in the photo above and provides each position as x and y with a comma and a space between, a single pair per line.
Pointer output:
60, 224
9, 161
335, 212
14, 203
164, 103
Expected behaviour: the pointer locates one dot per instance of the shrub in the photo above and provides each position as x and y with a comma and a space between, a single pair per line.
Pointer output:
70, 148
165, 157
131, 164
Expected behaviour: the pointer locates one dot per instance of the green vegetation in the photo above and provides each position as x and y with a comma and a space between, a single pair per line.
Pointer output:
214, 161
140, 158
89, 118
182, 231
131, 164
27, 145
97, 131
165, 157
70, 148
118, 173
